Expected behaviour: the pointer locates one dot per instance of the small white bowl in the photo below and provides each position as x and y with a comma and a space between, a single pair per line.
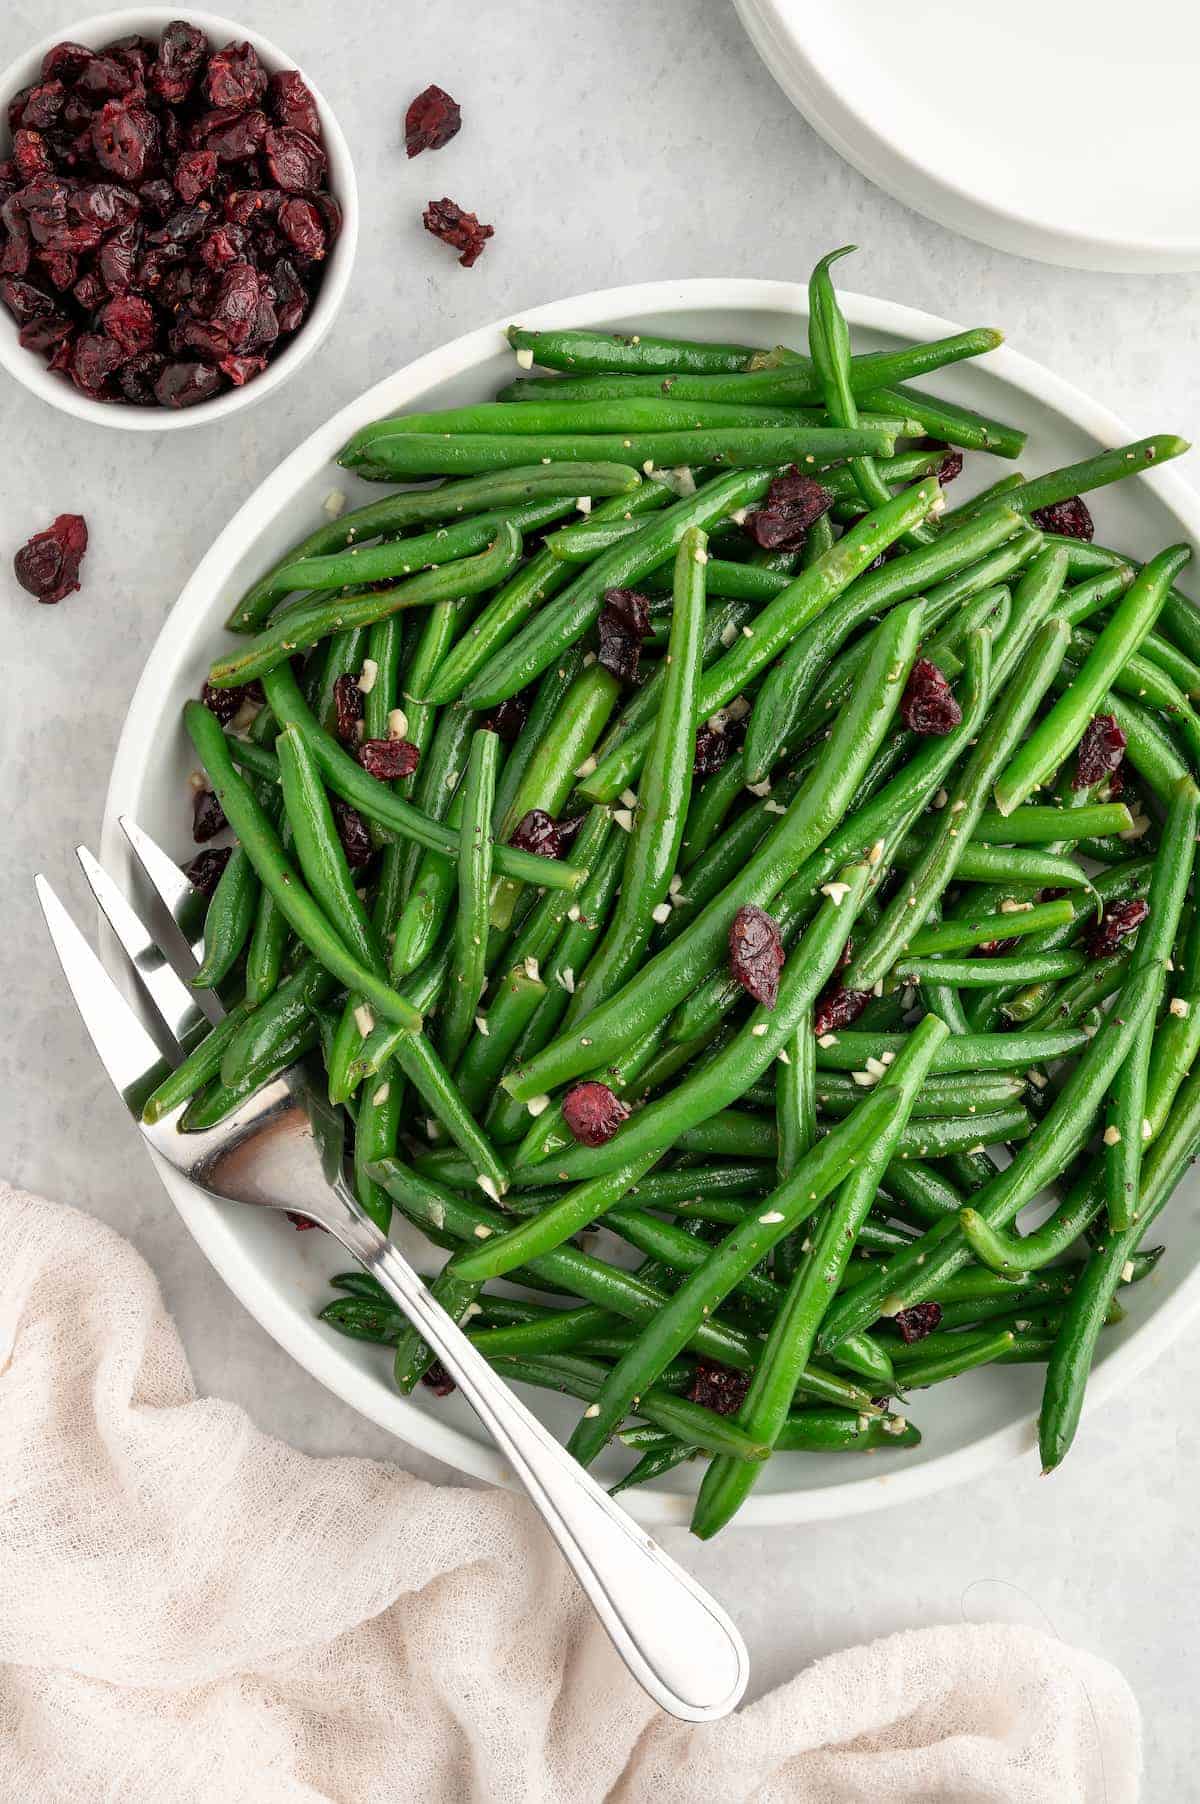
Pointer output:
28, 366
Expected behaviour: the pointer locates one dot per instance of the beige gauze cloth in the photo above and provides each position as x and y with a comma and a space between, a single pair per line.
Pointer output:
194, 1613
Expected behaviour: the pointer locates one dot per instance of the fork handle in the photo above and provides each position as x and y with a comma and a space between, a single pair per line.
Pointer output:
675, 1639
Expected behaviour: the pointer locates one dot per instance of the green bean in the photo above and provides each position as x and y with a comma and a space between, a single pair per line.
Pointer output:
941, 419
978, 973
218, 1100
468, 968
264, 1028
402, 456
1177, 1039
675, 1323
1056, 1140
507, 1016
549, 414
691, 366
929, 877
796, 1121
789, 684
951, 936
544, 638
959, 1353
1092, 473
228, 920
256, 833
200, 1065
415, 507
850, 1050
310, 621
1140, 677
949, 1093
710, 805
319, 850
1038, 825
811, 592
1087, 1307
1065, 1004
378, 802
429, 901
674, 972
656, 1462
790, 1341
1051, 739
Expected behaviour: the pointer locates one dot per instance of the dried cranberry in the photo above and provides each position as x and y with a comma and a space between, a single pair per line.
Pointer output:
103, 204
235, 77
593, 1113
1118, 921
183, 225
917, 1321
290, 103
157, 196
241, 370
195, 173
122, 137
224, 244
225, 703
353, 833
117, 258
623, 624
136, 379
718, 1387
130, 321
66, 61
756, 953
43, 334
507, 720
24, 301
463, 232
347, 708
291, 296
838, 1007
232, 136
1070, 519
996, 948
44, 105
714, 746
94, 360
431, 121
208, 816
62, 269
301, 225
388, 759
928, 704
950, 467
182, 384
438, 1379
244, 206
204, 872
14, 260
31, 154
48, 564
331, 214
794, 502
537, 832
1100, 751
15, 108
180, 56
295, 162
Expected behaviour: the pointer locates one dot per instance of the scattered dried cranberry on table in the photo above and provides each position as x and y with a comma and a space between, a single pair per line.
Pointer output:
1118, 921
463, 232
1070, 519
794, 503
1101, 750
164, 216
48, 563
593, 1113
538, 832
928, 704
432, 119
756, 953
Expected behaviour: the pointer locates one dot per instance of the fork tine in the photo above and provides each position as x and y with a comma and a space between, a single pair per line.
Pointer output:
180, 899
170, 995
127, 1052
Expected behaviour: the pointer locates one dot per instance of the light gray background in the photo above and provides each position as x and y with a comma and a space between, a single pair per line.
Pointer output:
608, 143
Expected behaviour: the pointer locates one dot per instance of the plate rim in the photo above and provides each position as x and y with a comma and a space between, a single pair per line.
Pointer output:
889, 165
211, 1223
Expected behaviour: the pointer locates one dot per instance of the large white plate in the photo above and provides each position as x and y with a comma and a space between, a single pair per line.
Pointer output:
279, 1275
1062, 131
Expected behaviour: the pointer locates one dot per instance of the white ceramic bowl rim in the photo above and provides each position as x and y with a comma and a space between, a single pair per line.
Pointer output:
28, 368
214, 1226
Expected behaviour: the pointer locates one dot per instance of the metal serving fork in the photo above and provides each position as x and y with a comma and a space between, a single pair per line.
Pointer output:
283, 1150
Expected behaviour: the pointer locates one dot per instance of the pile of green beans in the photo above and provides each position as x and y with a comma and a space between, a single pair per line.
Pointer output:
516, 950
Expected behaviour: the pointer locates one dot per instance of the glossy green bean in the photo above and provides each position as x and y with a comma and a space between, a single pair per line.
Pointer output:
228, 920
1092, 473
402, 456
468, 969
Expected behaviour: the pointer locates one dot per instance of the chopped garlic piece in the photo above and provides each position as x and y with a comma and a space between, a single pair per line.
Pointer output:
537, 1105
864, 1079
364, 1020
827, 1040
381, 1095
586, 768
593, 1409
1179, 1006
759, 1029
367, 676
525, 358
584, 504
837, 892
1111, 1136
661, 914
397, 727
532, 970
624, 819
728, 634
629, 798
481, 1025
334, 503
567, 979
760, 789
1127, 1272
488, 1186
772, 1215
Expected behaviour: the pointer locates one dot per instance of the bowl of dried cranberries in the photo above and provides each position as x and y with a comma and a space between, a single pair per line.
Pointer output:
178, 218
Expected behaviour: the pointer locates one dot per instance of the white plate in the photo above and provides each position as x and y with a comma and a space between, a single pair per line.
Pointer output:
1062, 131
279, 1275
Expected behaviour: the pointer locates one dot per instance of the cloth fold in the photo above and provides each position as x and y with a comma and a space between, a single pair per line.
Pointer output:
192, 1611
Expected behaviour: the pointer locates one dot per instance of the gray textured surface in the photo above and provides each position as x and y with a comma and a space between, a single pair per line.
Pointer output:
608, 144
